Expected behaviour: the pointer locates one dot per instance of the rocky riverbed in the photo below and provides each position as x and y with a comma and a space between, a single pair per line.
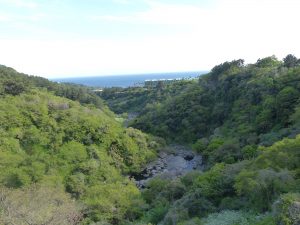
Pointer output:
173, 161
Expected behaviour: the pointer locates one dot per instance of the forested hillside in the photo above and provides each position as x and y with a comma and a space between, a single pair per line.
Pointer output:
135, 99
249, 102
54, 150
65, 158
14, 83
235, 106
244, 120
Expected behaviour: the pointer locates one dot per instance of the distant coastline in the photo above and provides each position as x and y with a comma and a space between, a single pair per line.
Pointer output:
127, 80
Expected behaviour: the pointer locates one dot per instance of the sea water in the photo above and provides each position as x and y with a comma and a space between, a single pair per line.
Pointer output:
127, 80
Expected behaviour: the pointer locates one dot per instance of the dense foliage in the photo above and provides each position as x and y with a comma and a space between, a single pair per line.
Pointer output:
231, 110
246, 192
244, 120
135, 99
65, 158
52, 141
14, 83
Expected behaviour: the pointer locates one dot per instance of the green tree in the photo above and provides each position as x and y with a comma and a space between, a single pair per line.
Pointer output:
262, 187
290, 61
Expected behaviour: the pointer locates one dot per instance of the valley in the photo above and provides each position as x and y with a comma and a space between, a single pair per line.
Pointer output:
110, 157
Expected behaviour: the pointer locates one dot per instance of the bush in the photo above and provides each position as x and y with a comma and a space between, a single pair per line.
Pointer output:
38, 205
154, 188
287, 209
262, 187
189, 178
230, 218
13, 87
200, 145
175, 190
157, 213
194, 221
210, 183
249, 152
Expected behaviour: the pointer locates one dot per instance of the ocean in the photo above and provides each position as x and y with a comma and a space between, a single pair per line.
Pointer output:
126, 80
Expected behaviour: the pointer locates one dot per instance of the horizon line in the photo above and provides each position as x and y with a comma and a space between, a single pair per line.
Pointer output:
129, 74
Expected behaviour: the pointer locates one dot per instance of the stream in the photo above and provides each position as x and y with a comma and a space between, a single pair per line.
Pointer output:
173, 161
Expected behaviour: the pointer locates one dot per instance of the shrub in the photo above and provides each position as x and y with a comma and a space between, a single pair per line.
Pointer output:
230, 218
287, 209
38, 205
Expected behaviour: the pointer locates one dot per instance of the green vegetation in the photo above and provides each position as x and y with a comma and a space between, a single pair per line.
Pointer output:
66, 159
244, 120
38, 205
245, 192
287, 209
52, 141
135, 99
231, 111
14, 83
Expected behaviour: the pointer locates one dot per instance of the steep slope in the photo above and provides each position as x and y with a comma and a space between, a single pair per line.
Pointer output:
232, 107
244, 120
54, 142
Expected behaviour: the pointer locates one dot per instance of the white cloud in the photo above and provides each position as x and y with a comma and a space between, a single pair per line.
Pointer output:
227, 12
20, 3
5, 17
123, 2
161, 14
233, 29
14, 19
172, 15
110, 18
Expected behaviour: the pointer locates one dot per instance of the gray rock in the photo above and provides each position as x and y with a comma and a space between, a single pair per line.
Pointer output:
173, 162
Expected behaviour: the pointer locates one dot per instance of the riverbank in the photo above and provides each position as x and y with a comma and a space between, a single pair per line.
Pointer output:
173, 161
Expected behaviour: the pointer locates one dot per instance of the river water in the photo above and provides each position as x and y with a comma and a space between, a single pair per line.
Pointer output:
172, 162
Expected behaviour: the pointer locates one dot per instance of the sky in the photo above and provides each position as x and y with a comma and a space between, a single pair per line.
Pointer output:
69, 38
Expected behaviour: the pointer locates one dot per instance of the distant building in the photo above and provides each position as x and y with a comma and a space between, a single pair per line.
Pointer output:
98, 90
157, 82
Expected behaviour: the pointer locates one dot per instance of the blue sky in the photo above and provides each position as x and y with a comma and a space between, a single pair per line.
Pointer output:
64, 38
